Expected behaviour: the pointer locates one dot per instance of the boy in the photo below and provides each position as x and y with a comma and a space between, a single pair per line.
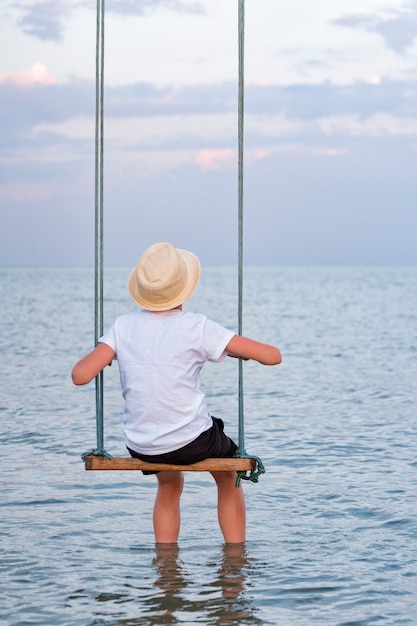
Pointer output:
160, 351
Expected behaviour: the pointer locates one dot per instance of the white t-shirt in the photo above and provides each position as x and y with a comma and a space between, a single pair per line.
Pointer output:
160, 355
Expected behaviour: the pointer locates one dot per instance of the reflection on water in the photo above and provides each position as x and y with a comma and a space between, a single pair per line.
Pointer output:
171, 581
177, 590
222, 601
236, 606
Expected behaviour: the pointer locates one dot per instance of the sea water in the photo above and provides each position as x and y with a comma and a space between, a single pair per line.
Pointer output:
332, 525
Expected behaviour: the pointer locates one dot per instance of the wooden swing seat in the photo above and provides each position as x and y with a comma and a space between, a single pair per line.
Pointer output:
237, 464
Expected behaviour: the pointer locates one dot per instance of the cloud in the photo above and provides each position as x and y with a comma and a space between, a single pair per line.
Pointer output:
142, 7
398, 28
45, 19
37, 74
149, 130
304, 101
319, 160
180, 107
216, 159
376, 125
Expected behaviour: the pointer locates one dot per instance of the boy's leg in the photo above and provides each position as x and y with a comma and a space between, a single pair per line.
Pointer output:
231, 508
166, 512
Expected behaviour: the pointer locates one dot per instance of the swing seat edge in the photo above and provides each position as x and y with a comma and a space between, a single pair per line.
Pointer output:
237, 464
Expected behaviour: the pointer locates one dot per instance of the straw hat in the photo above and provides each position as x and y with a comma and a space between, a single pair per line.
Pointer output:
164, 277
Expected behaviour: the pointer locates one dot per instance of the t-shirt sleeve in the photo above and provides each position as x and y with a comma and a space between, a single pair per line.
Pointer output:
215, 340
109, 338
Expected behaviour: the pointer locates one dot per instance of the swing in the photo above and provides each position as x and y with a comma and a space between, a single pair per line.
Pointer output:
247, 467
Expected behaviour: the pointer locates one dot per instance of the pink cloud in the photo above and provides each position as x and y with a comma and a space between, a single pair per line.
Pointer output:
216, 159
333, 152
258, 155
38, 74
226, 159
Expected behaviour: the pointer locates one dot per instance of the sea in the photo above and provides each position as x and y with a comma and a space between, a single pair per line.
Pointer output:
331, 525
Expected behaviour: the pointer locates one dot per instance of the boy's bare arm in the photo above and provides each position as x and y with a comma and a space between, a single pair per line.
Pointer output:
246, 348
90, 365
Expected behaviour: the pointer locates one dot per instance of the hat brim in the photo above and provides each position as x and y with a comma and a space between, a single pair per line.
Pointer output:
193, 267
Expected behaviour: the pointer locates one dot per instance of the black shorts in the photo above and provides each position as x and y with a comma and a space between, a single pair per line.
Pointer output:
212, 443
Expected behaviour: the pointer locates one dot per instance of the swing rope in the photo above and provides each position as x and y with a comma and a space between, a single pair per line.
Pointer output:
252, 464
253, 476
98, 257
241, 107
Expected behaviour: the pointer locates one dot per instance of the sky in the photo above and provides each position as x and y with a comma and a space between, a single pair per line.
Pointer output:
330, 148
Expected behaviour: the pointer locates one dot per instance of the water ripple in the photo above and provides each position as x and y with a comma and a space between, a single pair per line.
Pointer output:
332, 525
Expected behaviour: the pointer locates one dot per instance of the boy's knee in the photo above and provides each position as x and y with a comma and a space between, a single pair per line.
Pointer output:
172, 482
